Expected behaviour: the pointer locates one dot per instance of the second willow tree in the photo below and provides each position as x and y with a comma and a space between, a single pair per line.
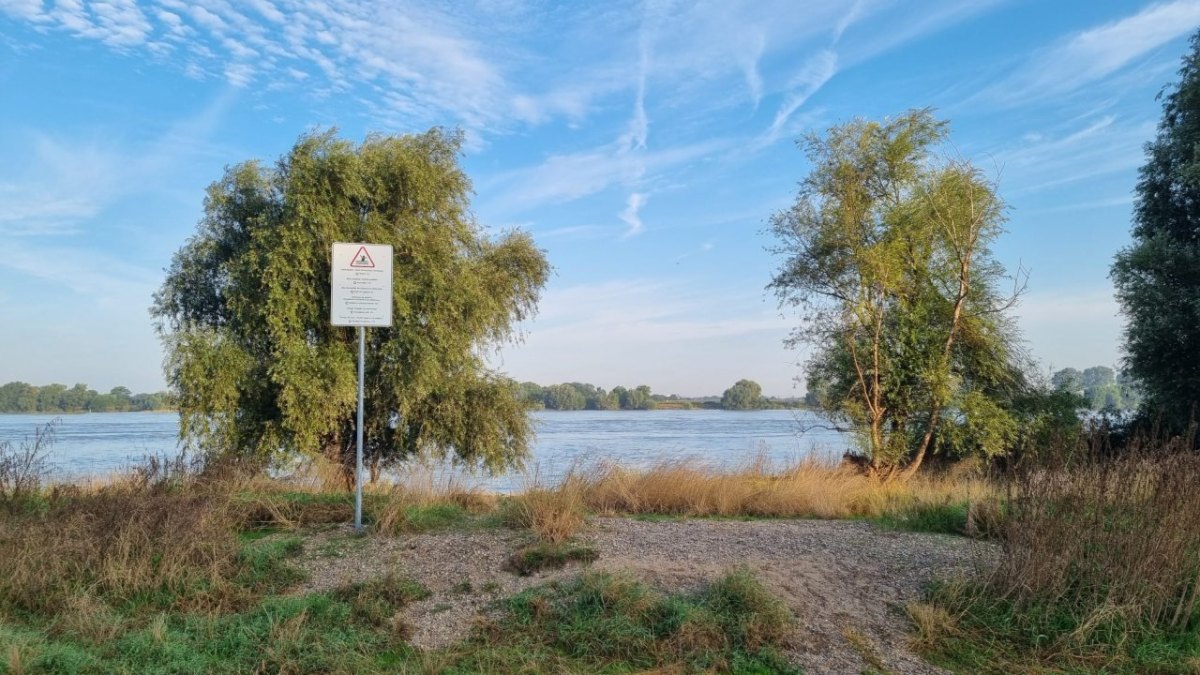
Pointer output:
244, 310
887, 259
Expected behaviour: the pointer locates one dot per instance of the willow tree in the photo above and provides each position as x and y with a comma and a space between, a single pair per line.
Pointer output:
887, 259
244, 310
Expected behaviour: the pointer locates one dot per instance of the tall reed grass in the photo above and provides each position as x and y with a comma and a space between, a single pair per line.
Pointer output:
1099, 565
1109, 539
803, 489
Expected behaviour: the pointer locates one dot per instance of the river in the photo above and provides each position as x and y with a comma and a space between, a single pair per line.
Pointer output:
100, 443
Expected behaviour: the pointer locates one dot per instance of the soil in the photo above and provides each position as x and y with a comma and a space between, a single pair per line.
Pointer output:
847, 582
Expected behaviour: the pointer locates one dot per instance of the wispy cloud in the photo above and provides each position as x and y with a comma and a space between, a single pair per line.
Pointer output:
632, 214
643, 309
561, 178
811, 77
109, 280
1095, 54
62, 182
1100, 146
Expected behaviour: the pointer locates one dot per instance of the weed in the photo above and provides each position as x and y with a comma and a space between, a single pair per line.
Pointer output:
279, 510
601, 619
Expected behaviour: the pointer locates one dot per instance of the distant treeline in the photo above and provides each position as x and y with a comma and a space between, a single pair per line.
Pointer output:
1100, 387
21, 397
745, 395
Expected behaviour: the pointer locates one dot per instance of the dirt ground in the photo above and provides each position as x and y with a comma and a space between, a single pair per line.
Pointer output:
847, 582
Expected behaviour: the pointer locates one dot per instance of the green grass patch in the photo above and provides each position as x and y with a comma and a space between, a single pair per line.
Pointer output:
607, 623
946, 518
979, 632
434, 517
545, 555
598, 623
263, 564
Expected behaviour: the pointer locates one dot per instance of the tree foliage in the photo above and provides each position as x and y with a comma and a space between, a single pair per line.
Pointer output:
1157, 277
1100, 387
244, 310
743, 395
22, 397
887, 259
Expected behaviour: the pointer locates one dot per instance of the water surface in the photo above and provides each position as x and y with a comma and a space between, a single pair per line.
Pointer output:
98, 443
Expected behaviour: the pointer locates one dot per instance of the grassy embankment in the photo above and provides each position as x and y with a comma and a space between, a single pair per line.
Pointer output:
1099, 570
161, 571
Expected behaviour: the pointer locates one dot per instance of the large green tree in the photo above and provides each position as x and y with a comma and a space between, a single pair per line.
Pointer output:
743, 395
887, 260
1157, 277
244, 310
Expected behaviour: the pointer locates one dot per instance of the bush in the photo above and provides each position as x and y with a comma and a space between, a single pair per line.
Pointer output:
156, 539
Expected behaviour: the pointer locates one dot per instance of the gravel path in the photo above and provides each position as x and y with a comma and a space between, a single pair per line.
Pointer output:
847, 582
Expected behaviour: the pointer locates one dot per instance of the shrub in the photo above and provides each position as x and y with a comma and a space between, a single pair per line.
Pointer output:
1115, 537
155, 538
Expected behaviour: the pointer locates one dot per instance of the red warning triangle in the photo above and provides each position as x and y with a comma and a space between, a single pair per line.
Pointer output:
362, 258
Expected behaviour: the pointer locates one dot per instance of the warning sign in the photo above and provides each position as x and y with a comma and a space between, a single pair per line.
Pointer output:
361, 285
362, 258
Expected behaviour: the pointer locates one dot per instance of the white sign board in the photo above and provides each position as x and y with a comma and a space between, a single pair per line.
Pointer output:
361, 285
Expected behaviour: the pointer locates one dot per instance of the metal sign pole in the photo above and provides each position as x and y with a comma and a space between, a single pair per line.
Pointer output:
360, 295
358, 456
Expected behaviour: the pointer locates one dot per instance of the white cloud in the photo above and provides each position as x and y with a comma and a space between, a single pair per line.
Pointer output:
631, 215
113, 282
812, 76
1046, 160
1096, 53
562, 178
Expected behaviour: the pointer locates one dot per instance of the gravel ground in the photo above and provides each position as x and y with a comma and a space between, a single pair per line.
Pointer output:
847, 582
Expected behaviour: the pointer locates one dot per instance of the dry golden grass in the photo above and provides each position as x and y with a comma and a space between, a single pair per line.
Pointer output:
15, 660
933, 624
117, 543
806, 489
554, 514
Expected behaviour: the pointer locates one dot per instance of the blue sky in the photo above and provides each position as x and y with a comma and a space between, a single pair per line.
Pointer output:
643, 144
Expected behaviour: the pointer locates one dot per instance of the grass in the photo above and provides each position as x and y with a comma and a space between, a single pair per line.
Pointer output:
607, 623
1099, 570
554, 514
598, 623
545, 555
168, 570
806, 489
